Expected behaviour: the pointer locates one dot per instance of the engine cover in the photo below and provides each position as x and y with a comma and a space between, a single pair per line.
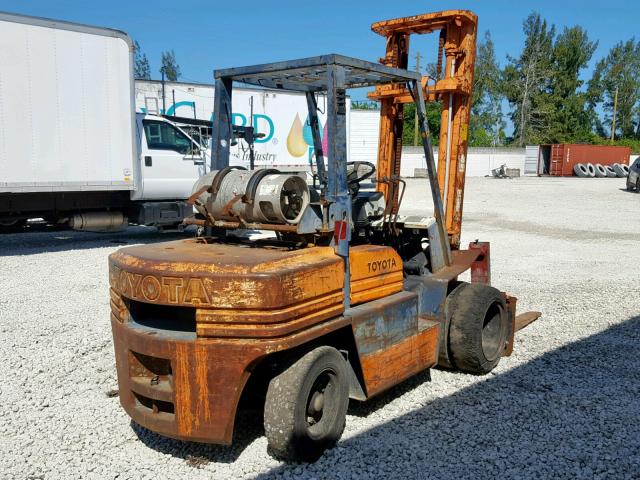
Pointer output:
238, 290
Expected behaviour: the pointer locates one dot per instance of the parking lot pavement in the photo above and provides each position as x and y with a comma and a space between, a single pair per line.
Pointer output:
565, 404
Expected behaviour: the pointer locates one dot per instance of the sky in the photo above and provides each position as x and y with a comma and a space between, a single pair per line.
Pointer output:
210, 35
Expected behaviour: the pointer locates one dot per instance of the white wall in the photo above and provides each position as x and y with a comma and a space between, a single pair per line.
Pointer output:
480, 161
363, 143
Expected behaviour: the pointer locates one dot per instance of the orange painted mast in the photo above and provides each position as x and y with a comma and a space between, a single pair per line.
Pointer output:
458, 41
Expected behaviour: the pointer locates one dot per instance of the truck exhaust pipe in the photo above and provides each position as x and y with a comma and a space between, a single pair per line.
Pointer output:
99, 222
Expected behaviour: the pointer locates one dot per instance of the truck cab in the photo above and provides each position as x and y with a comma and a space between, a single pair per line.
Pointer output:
170, 160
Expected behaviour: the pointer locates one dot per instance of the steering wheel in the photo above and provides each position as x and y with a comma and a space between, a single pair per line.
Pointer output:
353, 180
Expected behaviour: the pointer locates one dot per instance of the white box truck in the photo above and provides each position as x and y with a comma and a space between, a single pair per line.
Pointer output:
279, 117
72, 148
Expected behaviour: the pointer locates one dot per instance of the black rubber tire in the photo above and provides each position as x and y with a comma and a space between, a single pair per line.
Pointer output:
580, 170
591, 169
291, 397
638, 185
629, 186
478, 328
601, 172
611, 173
15, 226
619, 170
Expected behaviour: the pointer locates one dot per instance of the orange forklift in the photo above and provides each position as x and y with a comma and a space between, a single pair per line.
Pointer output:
348, 297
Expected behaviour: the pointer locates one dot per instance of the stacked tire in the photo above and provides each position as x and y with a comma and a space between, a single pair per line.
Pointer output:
586, 170
600, 171
611, 173
583, 171
622, 170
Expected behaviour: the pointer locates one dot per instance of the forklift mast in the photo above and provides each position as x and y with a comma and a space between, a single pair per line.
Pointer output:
453, 88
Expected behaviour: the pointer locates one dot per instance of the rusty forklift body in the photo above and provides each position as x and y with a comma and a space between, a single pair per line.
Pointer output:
195, 320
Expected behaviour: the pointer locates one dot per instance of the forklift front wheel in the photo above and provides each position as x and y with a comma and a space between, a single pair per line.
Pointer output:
478, 327
306, 406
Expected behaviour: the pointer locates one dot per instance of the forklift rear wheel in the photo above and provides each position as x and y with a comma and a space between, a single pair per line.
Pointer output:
306, 406
478, 327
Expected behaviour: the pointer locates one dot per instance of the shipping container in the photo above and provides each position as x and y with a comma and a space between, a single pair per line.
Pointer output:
559, 159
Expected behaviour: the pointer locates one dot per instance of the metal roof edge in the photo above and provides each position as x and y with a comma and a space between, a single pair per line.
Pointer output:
66, 25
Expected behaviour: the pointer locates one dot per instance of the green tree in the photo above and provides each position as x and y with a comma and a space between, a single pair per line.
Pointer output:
364, 105
620, 70
141, 68
572, 118
170, 66
486, 125
433, 120
433, 110
594, 97
527, 82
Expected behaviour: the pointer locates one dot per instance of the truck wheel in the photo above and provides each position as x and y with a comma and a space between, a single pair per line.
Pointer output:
478, 327
306, 406
12, 226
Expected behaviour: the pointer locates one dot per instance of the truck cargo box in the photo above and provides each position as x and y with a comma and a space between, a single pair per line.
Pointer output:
67, 113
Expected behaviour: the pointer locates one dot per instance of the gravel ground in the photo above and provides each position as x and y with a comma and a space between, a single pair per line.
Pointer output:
565, 405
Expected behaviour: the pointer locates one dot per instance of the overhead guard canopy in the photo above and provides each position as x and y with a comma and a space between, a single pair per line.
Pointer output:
310, 74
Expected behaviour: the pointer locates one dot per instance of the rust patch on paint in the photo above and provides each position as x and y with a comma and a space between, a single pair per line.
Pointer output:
389, 366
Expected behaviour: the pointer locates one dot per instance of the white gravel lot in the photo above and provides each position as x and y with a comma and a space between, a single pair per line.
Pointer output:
565, 405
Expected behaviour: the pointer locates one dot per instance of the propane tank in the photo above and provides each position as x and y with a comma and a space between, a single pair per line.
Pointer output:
255, 196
